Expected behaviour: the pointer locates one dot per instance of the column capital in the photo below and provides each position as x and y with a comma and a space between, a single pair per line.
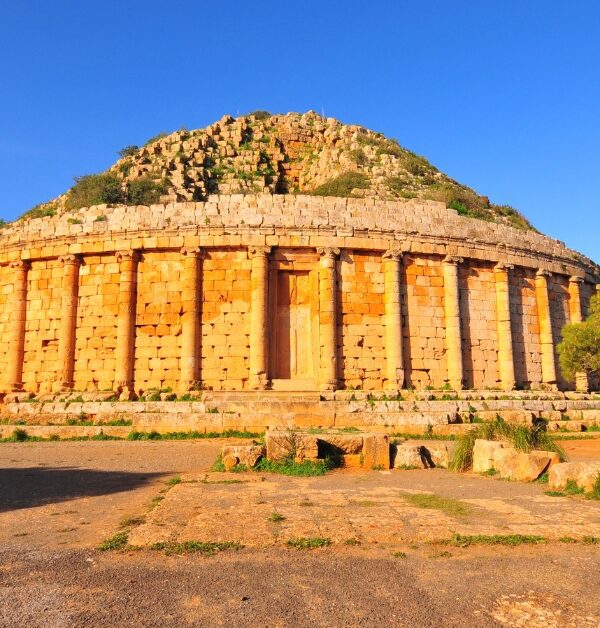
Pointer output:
393, 254
453, 260
128, 256
21, 264
259, 251
576, 279
542, 272
329, 252
193, 251
503, 267
70, 259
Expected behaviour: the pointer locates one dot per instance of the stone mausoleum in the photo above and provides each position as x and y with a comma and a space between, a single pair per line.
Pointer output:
262, 287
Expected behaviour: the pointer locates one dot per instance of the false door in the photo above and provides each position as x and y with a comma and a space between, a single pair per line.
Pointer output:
292, 346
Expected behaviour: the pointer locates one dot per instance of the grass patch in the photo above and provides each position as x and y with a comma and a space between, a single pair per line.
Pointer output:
491, 472
132, 522
343, 185
276, 517
308, 542
153, 435
595, 492
115, 542
399, 554
306, 468
571, 489
521, 437
460, 540
176, 479
428, 436
352, 542
206, 548
435, 502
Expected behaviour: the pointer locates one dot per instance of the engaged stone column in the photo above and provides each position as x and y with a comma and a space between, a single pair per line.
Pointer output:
327, 318
259, 256
582, 382
190, 322
452, 311
16, 347
68, 323
545, 323
506, 364
125, 351
394, 379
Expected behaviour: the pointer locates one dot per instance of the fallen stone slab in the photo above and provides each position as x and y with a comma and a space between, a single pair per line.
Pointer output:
428, 456
247, 455
584, 474
376, 451
282, 444
509, 463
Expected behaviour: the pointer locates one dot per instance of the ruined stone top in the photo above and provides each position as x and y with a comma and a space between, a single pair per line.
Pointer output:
275, 154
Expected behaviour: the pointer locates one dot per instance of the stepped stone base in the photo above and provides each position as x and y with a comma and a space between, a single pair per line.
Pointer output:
415, 413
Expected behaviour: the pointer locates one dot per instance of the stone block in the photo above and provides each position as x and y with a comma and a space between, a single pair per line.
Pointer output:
289, 443
406, 455
525, 467
583, 473
247, 455
376, 451
484, 453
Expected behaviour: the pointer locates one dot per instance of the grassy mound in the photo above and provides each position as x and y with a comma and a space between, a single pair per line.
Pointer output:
521, 437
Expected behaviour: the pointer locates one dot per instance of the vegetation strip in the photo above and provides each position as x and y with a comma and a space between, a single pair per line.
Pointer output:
436, 502
459, 540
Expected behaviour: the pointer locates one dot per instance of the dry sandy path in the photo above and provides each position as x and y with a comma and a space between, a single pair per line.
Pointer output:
58, 500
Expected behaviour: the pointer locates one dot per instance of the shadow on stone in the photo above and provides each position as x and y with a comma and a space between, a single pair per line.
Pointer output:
39, 486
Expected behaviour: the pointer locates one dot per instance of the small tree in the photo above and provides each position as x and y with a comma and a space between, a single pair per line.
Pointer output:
579, 351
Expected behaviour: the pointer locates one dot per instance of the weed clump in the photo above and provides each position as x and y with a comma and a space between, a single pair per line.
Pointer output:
521, 437
116, 542
343, 185
308, 542
206, 548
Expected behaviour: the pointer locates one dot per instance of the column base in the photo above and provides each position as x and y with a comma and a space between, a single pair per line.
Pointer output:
330, 384
62, 387
259, 382
393, 385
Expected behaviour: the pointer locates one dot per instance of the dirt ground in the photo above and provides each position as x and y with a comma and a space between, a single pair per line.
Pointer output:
58, 500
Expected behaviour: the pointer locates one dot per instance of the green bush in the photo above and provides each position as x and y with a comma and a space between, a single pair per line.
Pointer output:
579, 350
343, 185
155, 138
128, 151
145, 191
260, 114
95, 189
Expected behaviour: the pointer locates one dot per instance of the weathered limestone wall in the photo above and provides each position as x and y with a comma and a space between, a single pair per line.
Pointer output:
360, 328
226, 294
479, 326
97, 311
424, 322
351, 293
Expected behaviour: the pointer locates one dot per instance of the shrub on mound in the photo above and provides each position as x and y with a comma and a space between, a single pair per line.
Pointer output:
522, 437
343, 185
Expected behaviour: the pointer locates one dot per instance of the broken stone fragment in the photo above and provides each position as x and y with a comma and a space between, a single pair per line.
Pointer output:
376, 451
247, 455
584, 474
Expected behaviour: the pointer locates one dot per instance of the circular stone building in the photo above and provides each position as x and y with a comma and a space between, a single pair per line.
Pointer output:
283, 253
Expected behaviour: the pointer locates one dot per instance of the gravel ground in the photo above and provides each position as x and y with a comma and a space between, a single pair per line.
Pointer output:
527, 587
58, 500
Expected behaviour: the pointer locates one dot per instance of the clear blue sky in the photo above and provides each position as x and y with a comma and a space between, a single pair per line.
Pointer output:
503, 96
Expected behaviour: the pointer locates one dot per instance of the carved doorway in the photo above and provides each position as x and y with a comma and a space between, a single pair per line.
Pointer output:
292, 362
